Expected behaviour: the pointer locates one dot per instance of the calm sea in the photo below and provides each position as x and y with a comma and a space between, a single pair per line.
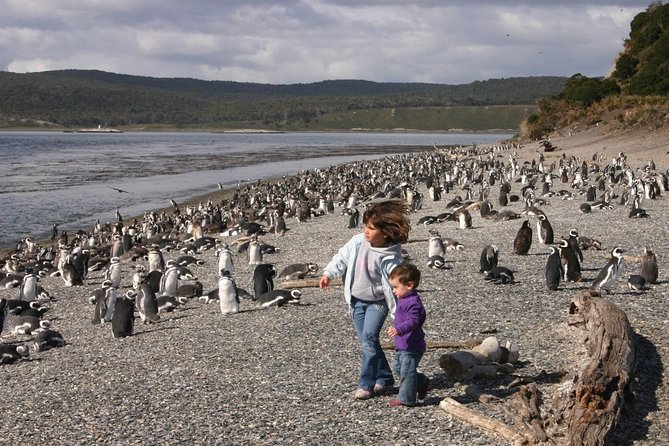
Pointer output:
68, 178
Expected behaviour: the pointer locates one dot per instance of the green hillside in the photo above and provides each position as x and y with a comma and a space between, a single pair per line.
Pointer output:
84, 98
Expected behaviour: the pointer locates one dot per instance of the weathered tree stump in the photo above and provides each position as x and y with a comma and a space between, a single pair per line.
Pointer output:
585, 411
605, 383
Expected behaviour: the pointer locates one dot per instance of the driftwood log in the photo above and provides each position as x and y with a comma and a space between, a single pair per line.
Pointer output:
305, 283
468, 343
585, 411
605, 384
486, 359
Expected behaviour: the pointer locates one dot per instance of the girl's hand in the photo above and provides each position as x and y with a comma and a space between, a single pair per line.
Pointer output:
392, 332
324, 283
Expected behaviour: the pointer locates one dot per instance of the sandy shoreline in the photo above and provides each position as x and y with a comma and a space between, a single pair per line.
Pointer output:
287, 375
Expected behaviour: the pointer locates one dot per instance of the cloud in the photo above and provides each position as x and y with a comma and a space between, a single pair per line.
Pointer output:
311, 40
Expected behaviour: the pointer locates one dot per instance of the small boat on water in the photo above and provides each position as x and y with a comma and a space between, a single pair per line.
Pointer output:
98, 129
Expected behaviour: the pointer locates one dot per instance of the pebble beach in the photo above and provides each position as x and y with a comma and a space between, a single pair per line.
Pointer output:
286, 375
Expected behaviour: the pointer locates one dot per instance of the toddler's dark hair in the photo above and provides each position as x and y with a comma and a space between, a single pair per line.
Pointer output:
406, 272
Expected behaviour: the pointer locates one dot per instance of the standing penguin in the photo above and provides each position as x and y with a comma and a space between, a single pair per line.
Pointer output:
69, 273
123, 320
80, 262
610, 273
225, 261
464, 218
113, 272
169, 282
100, 298
109, 304
263, 276
435, 246
354, 218
147, 305
544, 230
648, 266
489, 258
503, 199
553, 271
570, 264
254, 252
155, 259
28, 290
523, 240
574, 244
228, 298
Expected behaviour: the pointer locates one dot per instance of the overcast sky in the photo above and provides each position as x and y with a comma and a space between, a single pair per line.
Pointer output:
302, 41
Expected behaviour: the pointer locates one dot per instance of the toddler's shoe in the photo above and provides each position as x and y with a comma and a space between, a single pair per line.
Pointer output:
380, 388
397, 403
362, 394
422, 391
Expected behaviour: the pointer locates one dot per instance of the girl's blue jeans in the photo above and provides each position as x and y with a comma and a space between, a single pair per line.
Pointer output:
406, 365
368, 319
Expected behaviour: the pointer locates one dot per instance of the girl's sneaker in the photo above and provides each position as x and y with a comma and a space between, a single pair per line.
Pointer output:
362, 394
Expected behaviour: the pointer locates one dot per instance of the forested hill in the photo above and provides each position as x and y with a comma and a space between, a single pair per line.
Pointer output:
74, 98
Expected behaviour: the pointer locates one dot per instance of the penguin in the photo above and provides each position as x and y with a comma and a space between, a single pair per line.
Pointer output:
146, 304
636, 282
297, 271
97, 298
108, 305
435, 246
225, 261
648, 266
453, 245
170, 303
436, 262
80, 262
499, 274
28, 289
9, 354
571, 266
45, 339
20, 324
189, 290
591, 193
544, 230
69, 273
489, 258
280, 225
263, 276
254, 253
169, 282
279, 298
188, 260
585, 208
228, 298
113, 272
19, 306
123, 320
503, 198
523, 240
155, 259
574, 244
464, 218
553, 270
610, 272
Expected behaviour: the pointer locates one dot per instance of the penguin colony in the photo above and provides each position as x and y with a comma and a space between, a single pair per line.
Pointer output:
139, 283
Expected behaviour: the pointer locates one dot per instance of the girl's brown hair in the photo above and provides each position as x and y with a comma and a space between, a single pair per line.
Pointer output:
391, 218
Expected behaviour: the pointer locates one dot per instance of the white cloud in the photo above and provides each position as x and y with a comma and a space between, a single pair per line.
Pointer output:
310, 40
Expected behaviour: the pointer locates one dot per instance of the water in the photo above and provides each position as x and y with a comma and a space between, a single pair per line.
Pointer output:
68, 178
